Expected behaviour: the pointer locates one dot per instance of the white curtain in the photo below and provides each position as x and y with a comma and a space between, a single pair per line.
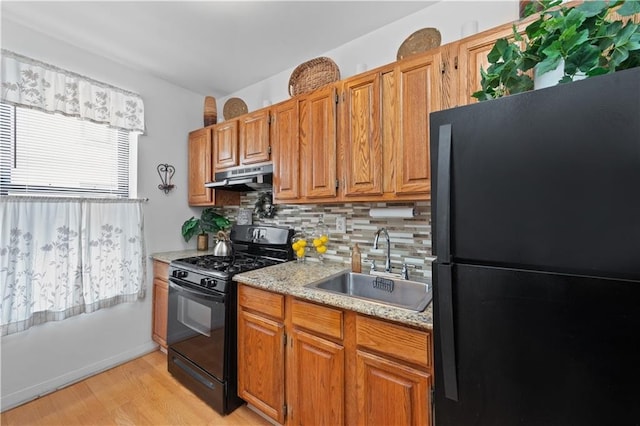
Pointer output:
33, 84
63, 257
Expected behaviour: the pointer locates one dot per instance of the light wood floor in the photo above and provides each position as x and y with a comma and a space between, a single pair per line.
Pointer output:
140, 392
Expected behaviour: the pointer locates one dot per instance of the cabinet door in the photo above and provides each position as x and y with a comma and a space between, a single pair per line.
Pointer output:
254, 137
318, 144
160, 307
286, 151
472, 54
160, 302
225, 145
317, 381
361, 135
391, 393
418, 96
261, 363
200, 167
446, 58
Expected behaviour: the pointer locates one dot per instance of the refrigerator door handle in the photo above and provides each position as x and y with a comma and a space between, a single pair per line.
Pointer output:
447, 332
443, 205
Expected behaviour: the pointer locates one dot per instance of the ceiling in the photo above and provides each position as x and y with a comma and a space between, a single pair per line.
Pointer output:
209, 47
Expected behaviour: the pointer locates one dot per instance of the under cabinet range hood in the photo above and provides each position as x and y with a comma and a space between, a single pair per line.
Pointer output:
244, 179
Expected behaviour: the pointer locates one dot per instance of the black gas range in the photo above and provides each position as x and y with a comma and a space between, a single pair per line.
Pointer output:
201, 327
254, 246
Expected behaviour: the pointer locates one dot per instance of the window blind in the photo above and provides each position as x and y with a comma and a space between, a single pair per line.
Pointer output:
53, 154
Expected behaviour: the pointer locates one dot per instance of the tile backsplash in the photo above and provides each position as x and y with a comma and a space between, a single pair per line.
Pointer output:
410, 237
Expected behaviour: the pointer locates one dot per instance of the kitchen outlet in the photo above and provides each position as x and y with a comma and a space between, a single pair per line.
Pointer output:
341, 224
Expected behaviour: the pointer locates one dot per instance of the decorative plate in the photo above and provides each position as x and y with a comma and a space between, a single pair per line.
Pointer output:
233, 108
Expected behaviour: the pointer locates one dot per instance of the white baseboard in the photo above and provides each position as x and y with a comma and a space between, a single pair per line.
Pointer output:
28, 394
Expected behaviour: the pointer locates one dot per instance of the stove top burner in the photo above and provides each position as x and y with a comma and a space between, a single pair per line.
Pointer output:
255, 246
241, 262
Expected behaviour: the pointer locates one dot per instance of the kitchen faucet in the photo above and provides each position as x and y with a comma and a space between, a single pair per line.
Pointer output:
387, 265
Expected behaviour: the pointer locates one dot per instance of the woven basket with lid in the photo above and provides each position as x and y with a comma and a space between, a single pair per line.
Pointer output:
312, 75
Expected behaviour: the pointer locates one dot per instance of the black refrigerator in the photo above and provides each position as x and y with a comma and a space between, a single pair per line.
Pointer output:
536, 233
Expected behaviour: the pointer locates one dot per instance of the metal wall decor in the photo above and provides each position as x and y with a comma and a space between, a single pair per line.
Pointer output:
166, 172
264, 206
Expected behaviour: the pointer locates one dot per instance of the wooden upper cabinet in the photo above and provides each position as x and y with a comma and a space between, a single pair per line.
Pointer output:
361, 120
472, 54
286, 151
318, 144
225, 142
200, 167
242, 141
447, 59
200, 172
254, 137
418, 95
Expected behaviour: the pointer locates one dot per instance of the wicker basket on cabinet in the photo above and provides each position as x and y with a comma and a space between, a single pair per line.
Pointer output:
312, 75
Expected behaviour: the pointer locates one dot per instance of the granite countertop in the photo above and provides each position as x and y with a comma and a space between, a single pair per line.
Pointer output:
169, 256
290, 278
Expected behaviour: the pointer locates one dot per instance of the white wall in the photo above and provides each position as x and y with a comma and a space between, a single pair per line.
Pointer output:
381, 46
51, 355
54, 354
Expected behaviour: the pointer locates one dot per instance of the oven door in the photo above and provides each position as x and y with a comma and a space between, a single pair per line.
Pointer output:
196, 326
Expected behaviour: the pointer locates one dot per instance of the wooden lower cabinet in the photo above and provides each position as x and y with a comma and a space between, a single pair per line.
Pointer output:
160, 302
261, 361
303, 363
261, 345
316, 391
390, 392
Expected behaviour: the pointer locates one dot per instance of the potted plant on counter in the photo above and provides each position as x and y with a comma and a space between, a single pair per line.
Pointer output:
581, 41
209, 222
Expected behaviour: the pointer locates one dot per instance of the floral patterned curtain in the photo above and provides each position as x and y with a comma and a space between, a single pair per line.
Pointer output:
34, 84
63, 257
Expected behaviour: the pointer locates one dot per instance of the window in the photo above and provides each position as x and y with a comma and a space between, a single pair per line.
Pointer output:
63, 249
53, 154
81, 247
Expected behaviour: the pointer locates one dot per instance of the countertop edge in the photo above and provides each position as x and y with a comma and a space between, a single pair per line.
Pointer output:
291, 278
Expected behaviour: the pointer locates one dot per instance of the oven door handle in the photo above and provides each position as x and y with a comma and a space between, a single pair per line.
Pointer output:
176, 286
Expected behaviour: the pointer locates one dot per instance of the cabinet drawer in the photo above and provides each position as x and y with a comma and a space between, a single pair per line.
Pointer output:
262, 301
160, 270
317, 318
394, 340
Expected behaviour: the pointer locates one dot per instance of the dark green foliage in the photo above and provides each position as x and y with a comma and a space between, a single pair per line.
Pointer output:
588, 41
208, 223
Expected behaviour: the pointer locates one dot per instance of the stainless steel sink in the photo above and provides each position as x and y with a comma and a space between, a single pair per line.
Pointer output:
406, 294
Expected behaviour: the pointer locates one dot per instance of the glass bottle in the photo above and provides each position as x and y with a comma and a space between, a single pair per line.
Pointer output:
299, 245
321, 239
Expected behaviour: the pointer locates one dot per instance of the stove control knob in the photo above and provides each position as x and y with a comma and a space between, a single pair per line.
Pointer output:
180, 274
208, 282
